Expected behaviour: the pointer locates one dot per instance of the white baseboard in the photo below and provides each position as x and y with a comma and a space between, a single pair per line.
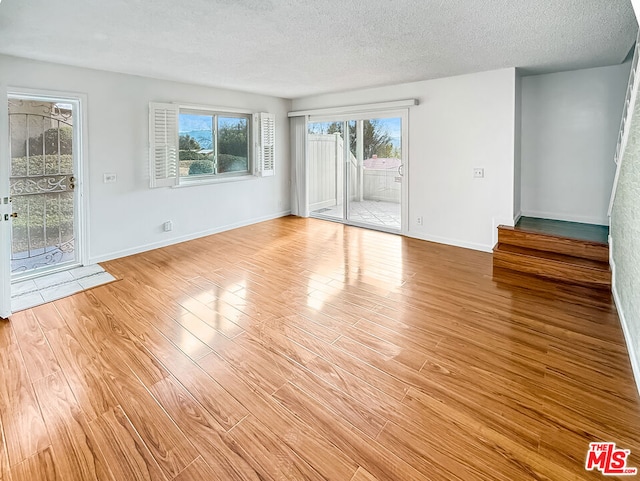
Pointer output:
634, 356
452, 242
516, 218
177, 240
566, 217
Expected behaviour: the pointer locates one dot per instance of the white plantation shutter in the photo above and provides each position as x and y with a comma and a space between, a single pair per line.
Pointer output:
265, 124
163, 145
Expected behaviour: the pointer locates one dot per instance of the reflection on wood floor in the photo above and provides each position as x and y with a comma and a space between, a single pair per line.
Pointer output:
302, 349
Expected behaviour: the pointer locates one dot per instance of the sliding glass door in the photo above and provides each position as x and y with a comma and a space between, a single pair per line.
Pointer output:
356, 169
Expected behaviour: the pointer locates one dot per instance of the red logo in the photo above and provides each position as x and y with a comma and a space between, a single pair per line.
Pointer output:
608, 460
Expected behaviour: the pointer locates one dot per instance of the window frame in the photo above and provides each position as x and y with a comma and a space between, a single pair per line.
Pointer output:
216, 113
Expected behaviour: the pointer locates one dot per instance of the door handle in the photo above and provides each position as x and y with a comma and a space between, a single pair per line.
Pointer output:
401, 170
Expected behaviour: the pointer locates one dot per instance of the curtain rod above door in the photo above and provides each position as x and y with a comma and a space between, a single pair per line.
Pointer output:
356, 108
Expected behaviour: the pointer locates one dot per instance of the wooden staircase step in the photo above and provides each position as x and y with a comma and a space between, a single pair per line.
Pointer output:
552, 265
585, 249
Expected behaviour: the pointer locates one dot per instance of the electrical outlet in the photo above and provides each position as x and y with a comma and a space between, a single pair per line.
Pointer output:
419, 220
168, 226
478, 173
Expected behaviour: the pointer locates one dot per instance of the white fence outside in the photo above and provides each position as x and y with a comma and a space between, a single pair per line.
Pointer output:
382, 184
326, 175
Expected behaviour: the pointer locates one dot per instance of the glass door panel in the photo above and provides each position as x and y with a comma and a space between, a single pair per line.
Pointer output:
42, 182
325, 167
376, 173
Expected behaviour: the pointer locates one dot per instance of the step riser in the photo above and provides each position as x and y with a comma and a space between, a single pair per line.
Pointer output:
559, 245
552, 269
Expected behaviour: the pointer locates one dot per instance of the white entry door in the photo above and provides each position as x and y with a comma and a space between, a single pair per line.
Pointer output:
41, 201
5, 212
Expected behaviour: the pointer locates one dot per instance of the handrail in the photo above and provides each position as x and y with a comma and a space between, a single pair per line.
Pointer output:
353, 160
627, 114
340, 144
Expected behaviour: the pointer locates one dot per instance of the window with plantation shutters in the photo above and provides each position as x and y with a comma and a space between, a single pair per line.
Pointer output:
163, 144
191, 144
265, 149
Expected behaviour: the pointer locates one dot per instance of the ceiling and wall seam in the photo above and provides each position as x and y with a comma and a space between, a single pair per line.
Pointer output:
292, 50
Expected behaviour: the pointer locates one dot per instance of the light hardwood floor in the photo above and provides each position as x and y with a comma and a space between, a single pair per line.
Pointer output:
301, 349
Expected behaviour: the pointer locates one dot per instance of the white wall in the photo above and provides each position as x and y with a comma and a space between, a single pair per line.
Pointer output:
517, 154
461, 123
127, 216
570, 123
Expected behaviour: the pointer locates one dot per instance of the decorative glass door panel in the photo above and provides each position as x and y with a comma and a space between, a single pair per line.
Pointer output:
42, 183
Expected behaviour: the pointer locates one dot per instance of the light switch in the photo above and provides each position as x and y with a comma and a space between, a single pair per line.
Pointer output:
110, 178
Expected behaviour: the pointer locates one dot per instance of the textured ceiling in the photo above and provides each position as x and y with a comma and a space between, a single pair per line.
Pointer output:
293, 48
